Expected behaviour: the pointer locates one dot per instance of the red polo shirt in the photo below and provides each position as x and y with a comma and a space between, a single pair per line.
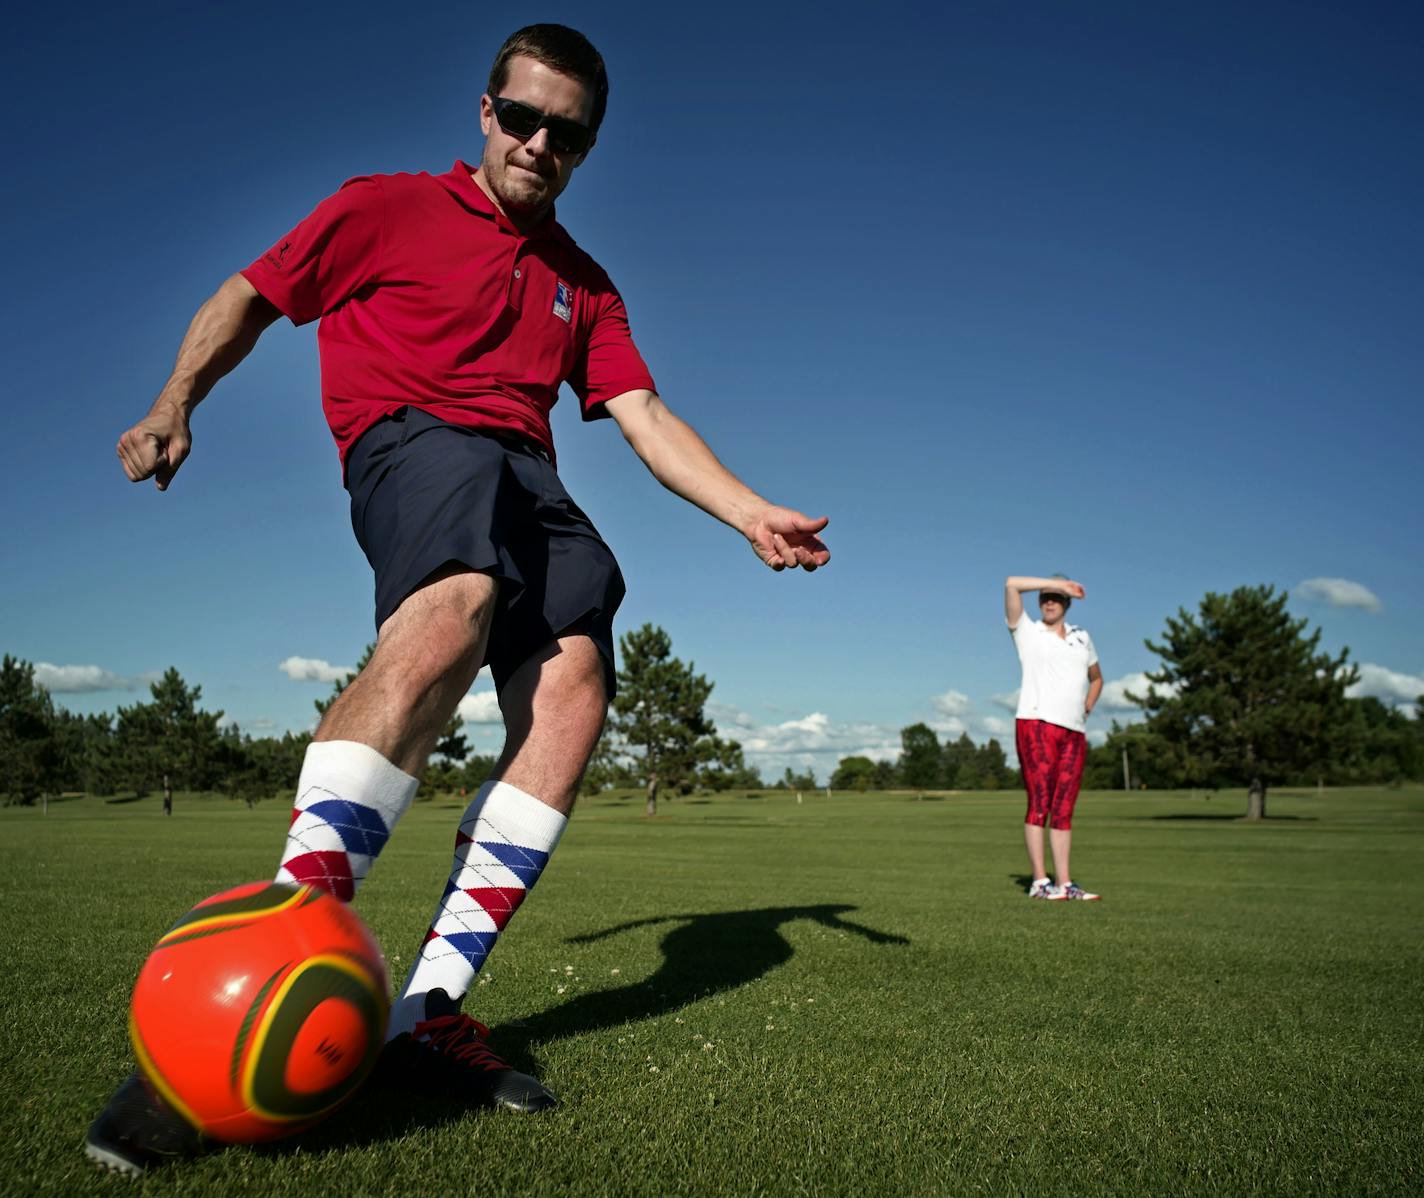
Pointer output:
427, 295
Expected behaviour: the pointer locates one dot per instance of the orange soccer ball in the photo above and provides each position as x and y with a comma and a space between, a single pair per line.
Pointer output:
260, 1011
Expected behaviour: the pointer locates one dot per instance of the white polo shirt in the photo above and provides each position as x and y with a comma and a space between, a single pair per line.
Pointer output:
1055, 672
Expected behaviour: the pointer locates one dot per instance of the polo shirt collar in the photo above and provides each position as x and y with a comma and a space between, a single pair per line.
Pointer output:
460, 180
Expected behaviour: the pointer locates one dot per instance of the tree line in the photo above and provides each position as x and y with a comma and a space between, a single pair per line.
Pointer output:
1244, 697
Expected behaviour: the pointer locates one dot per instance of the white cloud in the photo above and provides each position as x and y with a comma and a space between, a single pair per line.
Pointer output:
312, 669
1009, 701
1340, 592
1389, 686
951, 727
996, 725
482, 708
813, 740
951, 703
725, 716
1114, 696
80, 680
257, 726
1097, 736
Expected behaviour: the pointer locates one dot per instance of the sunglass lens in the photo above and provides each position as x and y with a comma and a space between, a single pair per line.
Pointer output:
567, 137
518, 120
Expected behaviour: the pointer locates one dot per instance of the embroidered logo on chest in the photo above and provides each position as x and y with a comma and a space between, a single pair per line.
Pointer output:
563, 301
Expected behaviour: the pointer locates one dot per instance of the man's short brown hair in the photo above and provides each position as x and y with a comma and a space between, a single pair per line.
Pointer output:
560, 49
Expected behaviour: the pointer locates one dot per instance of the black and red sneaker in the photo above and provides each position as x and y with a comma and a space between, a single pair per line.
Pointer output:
446, 1053
138, 1130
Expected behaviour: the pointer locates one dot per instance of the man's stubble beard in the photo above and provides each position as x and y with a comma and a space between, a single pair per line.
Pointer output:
522, 197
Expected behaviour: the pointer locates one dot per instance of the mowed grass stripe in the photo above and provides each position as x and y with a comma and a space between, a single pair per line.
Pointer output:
722, 998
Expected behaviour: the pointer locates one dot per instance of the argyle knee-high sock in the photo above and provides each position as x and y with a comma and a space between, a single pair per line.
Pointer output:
349, 798
504, 841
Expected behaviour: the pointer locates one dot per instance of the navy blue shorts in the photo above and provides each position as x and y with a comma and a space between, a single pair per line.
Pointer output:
425, 492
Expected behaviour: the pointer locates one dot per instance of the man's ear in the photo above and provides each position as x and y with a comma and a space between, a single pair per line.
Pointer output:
486, 114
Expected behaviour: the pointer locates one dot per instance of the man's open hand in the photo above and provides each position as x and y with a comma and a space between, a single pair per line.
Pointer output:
782, 537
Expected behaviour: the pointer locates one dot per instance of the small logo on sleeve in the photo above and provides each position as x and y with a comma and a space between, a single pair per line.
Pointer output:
563, 301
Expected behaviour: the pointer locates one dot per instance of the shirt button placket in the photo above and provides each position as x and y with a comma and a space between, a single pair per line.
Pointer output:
517, 279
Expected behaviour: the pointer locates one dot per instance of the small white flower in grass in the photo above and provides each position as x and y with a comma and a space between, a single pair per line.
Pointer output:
677, 1019
708, 1046
615, 972
652, 1068
562, 989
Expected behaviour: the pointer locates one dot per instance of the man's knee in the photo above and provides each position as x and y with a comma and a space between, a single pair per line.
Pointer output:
448, 613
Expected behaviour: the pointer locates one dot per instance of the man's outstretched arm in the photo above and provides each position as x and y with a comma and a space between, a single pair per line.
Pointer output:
222, 333
1015, 586
682, 462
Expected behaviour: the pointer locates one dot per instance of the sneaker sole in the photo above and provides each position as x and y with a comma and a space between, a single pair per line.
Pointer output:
111, 1161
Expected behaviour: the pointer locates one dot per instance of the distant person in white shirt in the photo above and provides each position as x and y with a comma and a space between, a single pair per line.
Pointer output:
1061, 684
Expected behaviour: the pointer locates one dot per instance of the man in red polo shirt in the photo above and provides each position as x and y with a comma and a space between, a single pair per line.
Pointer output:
452, 308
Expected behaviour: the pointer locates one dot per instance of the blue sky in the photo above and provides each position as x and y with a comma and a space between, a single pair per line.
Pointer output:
1127, 291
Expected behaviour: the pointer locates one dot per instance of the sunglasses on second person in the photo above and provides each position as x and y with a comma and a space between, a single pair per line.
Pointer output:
521, 121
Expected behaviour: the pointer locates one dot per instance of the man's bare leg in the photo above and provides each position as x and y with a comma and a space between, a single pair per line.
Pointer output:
361, 771
1061, 840
1033, 841
554, 707
427, 655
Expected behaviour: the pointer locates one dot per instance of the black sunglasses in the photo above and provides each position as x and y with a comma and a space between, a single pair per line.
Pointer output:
1052, 597
521, 121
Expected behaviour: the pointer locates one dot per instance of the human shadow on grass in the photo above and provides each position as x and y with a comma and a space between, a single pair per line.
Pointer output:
705, 954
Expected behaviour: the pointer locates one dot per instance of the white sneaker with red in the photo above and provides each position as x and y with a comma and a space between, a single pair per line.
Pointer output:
1043, 889
1074, 891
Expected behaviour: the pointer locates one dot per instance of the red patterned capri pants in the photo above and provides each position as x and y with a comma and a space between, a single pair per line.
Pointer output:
1051, 758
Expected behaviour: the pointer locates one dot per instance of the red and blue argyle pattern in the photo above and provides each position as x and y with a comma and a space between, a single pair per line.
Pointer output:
490, 880
332, 842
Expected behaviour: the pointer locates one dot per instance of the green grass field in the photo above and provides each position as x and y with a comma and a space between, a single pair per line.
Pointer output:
846, 996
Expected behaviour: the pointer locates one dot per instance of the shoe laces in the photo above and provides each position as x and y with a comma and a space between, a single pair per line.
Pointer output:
461, 1039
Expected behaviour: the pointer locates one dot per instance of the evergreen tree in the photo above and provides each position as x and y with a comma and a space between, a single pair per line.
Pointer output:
170, 737
961, 765
658, 714
994, 772
727, 769
609, 766
30, 761
1244, 695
